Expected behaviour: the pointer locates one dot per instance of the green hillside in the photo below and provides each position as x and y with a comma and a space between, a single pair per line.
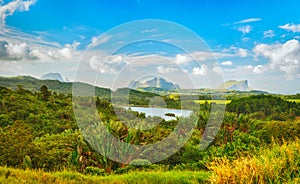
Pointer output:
32, 84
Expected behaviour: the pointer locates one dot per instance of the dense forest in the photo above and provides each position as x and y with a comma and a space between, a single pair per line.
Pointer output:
38, 130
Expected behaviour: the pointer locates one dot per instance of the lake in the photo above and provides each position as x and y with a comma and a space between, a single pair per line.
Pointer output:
161, 112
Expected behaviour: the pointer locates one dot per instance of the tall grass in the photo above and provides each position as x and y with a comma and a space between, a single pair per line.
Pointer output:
10, 175
278, 164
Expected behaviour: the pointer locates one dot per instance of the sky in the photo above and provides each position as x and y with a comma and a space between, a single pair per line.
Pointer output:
196, 44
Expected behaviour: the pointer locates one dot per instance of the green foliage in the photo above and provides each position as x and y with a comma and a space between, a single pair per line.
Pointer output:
268, 105
38, 130
94, 171
54, 152
27, 162
278, 130
15, 144
45, 92
139, 162
12, 176
52, 116
35, 85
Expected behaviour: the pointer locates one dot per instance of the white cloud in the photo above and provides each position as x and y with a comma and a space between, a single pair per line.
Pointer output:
18, 51
242, 52
182, 59
164, 70
9, 8
235, 51
199, 70
217, 70
248, 20
108, 70
269, 34
108, 65
10, 51
13, 35
116, 59
74, 45
65, 53
246, 39
227, 63
204, 56
149, 30
245, 69
283, 57
291, 27
245, 29
141, 60
200, 56
98, 40
95, 62
259, 69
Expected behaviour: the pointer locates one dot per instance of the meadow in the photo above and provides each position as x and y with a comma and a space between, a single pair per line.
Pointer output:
10, 175
213, 101
294, 100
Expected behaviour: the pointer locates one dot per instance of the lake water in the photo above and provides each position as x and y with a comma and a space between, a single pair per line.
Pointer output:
153, 111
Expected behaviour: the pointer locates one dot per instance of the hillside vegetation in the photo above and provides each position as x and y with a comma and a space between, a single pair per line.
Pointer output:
38, 131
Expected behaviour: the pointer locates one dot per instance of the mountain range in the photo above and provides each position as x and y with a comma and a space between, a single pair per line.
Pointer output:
234, 85
156, 82
53, 76
137, 90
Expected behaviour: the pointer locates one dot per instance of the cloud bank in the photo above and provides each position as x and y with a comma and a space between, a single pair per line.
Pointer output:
284, 57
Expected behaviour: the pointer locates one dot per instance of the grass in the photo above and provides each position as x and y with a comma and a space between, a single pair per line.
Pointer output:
11, 175
294, 100
278, 164
213, 101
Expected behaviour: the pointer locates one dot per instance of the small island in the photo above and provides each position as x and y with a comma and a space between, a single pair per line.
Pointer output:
170, 114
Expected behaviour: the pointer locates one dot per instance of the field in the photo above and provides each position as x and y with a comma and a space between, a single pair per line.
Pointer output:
294, 100
9, 175
213, 101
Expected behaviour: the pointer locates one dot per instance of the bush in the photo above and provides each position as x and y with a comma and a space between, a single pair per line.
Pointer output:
27, 162
139, 162
277, 164
141, 167
94, 171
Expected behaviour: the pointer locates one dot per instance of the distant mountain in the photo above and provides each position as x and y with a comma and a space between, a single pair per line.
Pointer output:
234, 85
53, 76
156, 82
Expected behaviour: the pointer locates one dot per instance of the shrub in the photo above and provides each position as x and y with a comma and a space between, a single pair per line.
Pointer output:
94, 171
26, 162
275, 165
139, 162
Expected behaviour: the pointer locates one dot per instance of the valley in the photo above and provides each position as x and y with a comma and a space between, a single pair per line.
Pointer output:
41, 124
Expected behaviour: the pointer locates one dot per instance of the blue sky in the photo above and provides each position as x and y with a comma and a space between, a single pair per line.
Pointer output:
253, 40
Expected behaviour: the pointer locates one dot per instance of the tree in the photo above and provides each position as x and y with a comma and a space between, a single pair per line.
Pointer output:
45, 92
15, 144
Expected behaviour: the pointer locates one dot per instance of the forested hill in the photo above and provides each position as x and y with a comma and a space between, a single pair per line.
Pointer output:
32, 84
264, 106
